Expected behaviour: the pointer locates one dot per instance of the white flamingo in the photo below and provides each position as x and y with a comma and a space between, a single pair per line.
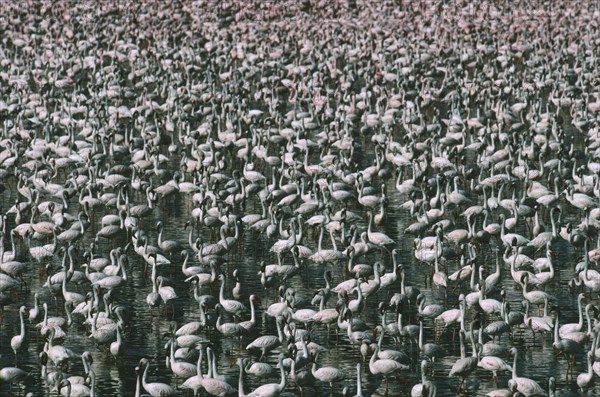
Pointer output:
230, 305
385, 367
527, 386
327, 374
377, 238
268, 390
155, 389
16, 343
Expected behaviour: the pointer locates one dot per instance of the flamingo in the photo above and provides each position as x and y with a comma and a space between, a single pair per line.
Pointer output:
431, 350
465, 365
223, 384
168, 246
195, 382
117, 348
453, 316
569, 347
429, 311
58, 353
327, 374
535, 297
69, 389
180, 368
13, 375
377, 238
34, 312
155, 389
250, 323
228, 329
16, 343
268, 390
70, 296
586, 379
385, 367
545, 277
512, 389
359, 392
153, 299
421, 389
327, 255
527, 386
511, 239
493, 364
260, 370
230, 305
574, 327
266, 343
166, 292
540, 324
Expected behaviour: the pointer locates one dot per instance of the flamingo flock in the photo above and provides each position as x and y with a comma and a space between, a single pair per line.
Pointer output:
341, 197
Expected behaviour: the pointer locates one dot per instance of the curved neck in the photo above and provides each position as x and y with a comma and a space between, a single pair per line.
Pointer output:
280, 332
402, 286
22, 318
580, 309
68, 386
172, 350
462, 344
282, 372
321, 233
218, 324
93, 385
160, 234
374, 356
222, 290
68, 314
380, 339
153, 277
327, 283
213, 364
556, 336
423, 372
64, 284
252, 311
145, 375
550, 265
241, 379
472, 338
376, 275
186, 258
360, 294
589, 321
358, 381
122, 266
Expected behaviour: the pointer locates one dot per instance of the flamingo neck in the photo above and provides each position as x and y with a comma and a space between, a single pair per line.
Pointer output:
241, 379
282, 372
252, 312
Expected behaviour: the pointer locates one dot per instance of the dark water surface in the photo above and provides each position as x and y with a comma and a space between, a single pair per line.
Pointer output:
200, 127
144, 334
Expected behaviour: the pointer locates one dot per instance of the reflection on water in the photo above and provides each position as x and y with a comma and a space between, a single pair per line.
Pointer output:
144, 334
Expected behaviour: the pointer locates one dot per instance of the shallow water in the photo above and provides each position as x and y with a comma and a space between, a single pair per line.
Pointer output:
145, 334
